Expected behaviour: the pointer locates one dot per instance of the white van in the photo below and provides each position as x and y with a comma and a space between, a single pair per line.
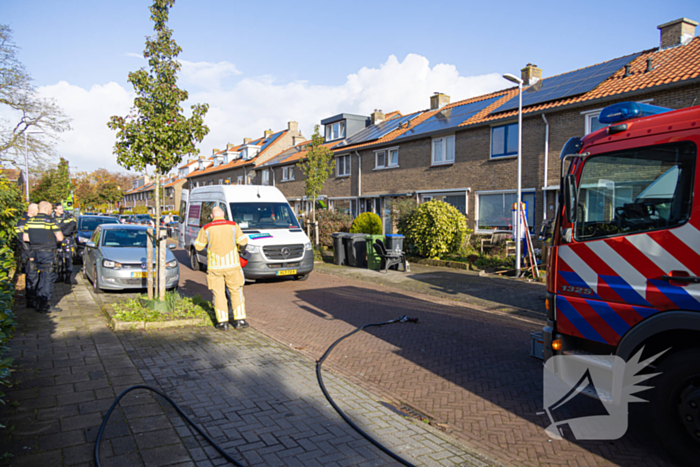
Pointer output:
276, 242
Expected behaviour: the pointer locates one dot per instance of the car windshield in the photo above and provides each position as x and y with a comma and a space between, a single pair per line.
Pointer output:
91, 223
126, 238
263, 215
143, 217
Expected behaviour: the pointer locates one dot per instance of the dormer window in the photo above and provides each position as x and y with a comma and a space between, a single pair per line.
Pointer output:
225, 159
335, 130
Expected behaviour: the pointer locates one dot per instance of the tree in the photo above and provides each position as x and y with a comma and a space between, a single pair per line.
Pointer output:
156, 133
317, 167
24, 110
54, 186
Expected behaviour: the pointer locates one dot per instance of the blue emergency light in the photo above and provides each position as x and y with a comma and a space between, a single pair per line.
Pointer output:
626, 110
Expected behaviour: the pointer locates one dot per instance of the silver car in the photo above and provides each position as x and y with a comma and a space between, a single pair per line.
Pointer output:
115, 258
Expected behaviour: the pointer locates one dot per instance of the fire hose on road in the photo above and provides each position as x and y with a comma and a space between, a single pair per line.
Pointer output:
319, 377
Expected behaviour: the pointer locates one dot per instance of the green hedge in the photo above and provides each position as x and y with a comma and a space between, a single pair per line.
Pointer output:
330, 222
434, 229
367, 223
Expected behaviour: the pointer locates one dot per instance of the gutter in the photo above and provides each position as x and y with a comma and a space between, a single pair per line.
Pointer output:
546, 166
359, 174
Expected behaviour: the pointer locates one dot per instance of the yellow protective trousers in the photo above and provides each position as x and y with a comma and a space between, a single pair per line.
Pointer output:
218, 281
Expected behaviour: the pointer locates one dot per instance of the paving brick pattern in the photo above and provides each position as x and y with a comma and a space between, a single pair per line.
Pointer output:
466, 366
257, 398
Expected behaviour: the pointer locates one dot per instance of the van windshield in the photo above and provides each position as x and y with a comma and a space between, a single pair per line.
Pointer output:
263, 216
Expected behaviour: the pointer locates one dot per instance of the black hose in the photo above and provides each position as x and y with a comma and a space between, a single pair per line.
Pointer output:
319, 377
170, 401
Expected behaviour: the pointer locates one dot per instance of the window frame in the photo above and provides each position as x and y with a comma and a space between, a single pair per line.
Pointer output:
387, 158
506, 154
265, 178
331, 135
347, 165
444, 160
477, 201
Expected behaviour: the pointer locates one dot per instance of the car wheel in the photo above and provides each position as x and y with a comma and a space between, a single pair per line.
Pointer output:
96, 281
194, 262
675, 405
302, 277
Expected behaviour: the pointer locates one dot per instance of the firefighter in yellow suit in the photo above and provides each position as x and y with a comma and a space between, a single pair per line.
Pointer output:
223, 239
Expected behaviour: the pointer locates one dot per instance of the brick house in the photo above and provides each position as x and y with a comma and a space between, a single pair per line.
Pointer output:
144, 193
237, 164
465, 153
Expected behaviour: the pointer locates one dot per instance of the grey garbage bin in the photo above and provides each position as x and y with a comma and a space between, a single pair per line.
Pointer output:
394, 242
339, 257
356, 251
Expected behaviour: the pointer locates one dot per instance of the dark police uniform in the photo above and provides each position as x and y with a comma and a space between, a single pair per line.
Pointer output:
42, 231
32, 275
68, 227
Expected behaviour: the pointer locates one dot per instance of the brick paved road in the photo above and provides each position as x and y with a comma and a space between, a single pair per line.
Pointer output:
463, 365
257, 398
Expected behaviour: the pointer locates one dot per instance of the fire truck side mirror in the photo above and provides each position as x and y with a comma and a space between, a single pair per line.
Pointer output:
570, 198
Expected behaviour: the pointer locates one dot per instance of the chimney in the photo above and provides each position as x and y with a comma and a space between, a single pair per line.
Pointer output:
293, 126
214, 151
268, 133
191, 160
297, 139
378, 116
678, 32
530, 74
247, 140
438, 100
230, 146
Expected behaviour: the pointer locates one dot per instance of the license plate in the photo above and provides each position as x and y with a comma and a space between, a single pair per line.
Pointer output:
288, 272
139, 274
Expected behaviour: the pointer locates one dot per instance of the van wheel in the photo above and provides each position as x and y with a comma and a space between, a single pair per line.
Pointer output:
675, 405
194, 262
301, 277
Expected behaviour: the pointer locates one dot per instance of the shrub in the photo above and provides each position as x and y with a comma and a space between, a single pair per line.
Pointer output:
140, 210
367, 223
435, 229
329, 222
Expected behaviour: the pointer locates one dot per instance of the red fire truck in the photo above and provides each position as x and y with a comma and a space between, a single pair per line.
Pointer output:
624, 269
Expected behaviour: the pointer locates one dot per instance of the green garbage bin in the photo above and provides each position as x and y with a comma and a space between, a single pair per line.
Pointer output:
374, 261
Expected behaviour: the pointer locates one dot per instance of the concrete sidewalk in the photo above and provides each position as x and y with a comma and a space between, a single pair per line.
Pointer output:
254, 396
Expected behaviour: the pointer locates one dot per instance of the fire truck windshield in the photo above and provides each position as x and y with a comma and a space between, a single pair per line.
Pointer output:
635, 190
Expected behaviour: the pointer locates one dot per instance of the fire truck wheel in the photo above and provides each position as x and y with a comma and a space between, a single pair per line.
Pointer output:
675, 405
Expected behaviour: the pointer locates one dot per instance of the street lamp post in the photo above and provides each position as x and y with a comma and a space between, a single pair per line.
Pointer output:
26, 163
518, 233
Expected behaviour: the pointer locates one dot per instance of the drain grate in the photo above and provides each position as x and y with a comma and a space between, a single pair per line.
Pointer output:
407, 411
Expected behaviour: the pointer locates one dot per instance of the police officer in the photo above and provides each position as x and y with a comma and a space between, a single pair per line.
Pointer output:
31, 276
222, 239
42, 232
68, 227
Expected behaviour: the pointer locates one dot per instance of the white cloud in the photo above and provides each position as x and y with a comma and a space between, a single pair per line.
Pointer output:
246, 106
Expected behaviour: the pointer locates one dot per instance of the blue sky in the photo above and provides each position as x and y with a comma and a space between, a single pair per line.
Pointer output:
260, 64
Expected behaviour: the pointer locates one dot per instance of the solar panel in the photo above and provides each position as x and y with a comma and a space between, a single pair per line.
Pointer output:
270, 140
449, 118
569, 84
374, 132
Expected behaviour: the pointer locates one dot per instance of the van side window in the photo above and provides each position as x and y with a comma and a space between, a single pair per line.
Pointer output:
205, 213
183, 210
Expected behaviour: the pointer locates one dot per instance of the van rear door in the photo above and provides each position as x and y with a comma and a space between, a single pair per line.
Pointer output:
184, 199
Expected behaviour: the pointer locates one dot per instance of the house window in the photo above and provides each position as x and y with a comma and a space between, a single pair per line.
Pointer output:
221, 181
335, 131
443, 150
380, 159
386, 158
287, 173
266, 177
495, 210
592, 123
239, 180
342, 165
504, 140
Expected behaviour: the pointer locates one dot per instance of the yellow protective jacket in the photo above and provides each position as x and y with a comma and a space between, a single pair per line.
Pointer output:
222, 239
